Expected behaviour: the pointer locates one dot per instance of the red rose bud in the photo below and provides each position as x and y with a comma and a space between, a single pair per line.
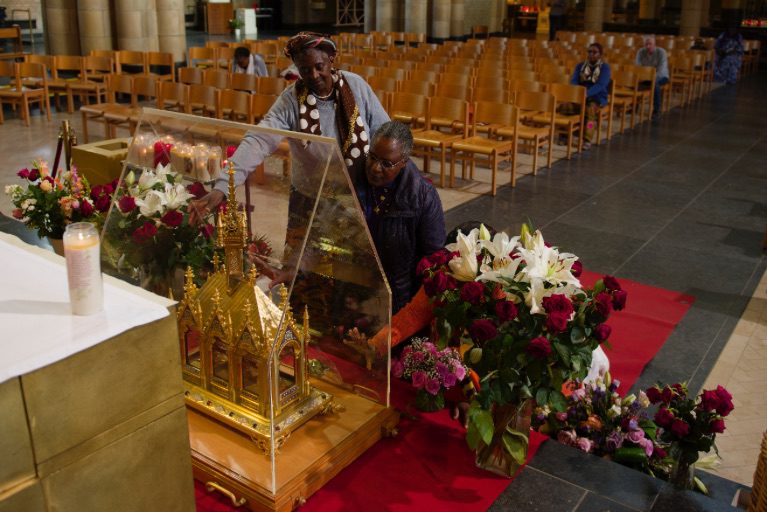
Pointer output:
207, 230
577, 269
230, 151
34, 175
602, 303
483, 330
197, 189
126, 204
473, 292
539, 348
144, 233
658, 452
86, 208
102, 203
173, 218
653, 394
667, 394
423, 265
23, 174
602, 332
17, 213
505, 310
664, 417
680, 428
438, 283
716, 426
679, 389
440, 258
611, 283
96, 191
709, 400
559, 303
725, 406
619, 299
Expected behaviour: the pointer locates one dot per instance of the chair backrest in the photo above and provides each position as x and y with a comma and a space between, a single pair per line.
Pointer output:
96, 67
189, 75
535, 101
568, 93
260, 105
145, 87
425, 75
172, 93
450, 90
225, 57
395, 73
215, 44
237, 103
216, 77
456, 79
199, 56
518, 74
131, 62
383, 82
33, 70
526, 85
109, 54
120, 83
423, 87
200, 94
271, 85
490, 112
68, 66
408, 104
161, 63
429, 66
491, 94
45, 60
448, 108
244, 82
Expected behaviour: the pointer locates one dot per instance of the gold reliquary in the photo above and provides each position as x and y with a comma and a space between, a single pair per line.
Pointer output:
244, 357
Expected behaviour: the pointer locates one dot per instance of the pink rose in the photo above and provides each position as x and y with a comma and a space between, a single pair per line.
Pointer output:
126, 204
173, 218
397, 368
539, 348
473, 292
602, 332
584, 444
432, 386
482, 330
648, 446
419, 379
17, 213
505, 310
680, 428
619, 299
460, 372
635, 436
450, 380
567, 437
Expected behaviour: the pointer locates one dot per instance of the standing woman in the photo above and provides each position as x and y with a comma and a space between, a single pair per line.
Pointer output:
324, 101
729, 56
594, 75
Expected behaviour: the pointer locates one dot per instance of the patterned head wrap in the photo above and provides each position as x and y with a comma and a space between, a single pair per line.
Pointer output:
307, 40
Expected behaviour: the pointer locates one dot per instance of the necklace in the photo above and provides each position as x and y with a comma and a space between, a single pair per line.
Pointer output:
328, 95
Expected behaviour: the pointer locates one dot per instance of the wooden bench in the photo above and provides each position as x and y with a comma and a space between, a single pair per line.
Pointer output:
12, 33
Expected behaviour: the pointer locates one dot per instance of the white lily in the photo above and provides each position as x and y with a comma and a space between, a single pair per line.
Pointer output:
153, 202
147, 180
163, 172
484, 234
176, 196
464, 267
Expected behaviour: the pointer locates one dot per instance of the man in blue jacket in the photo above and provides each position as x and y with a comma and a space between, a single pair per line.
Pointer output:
402, 209
594, 75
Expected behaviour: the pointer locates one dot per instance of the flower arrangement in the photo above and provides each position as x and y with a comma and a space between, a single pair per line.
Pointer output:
525, 324
49, 202
599, 421
148, 233
431, 371
236, 23
688, 426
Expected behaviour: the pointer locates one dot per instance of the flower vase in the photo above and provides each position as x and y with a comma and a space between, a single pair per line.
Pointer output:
57, 244
426, 402
164, 282
237, 34
511, 429
682, 474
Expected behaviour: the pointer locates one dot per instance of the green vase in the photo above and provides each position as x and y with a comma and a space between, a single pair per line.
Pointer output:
426, 402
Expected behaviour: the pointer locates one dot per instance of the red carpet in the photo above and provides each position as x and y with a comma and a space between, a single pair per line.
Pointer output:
428, 465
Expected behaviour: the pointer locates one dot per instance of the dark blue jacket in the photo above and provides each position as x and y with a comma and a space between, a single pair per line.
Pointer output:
598, 91
412, 227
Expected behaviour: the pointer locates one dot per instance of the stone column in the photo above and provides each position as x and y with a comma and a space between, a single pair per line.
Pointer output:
500, 14
593, 17
171, 32
93, 19
704, 13
607, 16
62, 35
415, 16
457, 28
689, 22
370, 15
384, 15
647, 9
440, 21
136, 25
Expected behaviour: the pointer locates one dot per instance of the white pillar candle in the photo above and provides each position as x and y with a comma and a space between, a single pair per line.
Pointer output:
82, 252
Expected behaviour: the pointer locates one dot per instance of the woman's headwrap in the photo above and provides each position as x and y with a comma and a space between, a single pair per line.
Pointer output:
307, 40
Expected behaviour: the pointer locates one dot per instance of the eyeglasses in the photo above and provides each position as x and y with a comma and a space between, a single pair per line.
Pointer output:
387, 165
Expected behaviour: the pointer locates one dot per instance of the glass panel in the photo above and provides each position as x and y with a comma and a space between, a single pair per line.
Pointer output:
192, 344
250, 378
287, 368
220, 364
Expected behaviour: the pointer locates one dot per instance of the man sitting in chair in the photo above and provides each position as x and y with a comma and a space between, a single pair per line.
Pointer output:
654, 57
248, 63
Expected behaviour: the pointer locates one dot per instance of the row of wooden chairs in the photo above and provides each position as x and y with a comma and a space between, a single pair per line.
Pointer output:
223, 79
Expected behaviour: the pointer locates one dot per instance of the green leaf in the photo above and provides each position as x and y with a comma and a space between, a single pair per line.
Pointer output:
563, 351
630, 455
482, 421
599, 286
515, 443
577, 336
475, 356
558, 400
650, 429
542, 396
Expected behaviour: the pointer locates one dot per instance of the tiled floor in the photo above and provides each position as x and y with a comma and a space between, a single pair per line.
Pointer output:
680, 204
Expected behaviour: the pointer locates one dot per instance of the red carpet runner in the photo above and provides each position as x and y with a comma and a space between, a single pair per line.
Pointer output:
428, 465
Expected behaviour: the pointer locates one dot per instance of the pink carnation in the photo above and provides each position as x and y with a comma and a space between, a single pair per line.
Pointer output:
419, 379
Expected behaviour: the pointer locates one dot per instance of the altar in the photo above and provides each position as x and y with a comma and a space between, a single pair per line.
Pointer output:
93, 413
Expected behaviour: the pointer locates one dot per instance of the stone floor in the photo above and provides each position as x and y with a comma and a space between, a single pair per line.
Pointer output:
680, 204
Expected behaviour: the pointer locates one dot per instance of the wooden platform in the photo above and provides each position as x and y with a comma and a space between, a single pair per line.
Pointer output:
230, 462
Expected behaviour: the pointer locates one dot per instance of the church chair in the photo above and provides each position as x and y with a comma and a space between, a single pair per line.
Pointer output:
189, 76
397, 74
225, 58
172, 96
131, 62
65, 69
161, 65
385, 83
453, 117
494, 148
145, 89
116, 84
425, 75
423, 87
91, 82
201, 57
271, 85
218, 78
243, 82
408, 108
625, 103
17, 94
573, 123
260, 105
202, 100
234, 105
536, 112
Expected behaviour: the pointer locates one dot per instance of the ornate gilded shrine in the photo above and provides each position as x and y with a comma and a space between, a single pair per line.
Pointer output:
243, 357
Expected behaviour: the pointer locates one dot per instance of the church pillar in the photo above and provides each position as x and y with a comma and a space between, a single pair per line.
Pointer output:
61, 31
607, 16
440, 24
647, 10
136, 25
384, 15
415, 17
592, 19
689, 23
171, 30
704, 13
457, 28
93, 19
370, 15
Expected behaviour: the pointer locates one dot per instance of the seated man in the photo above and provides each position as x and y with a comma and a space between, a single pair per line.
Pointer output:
594, 75
403, 210
655, 57
248, 63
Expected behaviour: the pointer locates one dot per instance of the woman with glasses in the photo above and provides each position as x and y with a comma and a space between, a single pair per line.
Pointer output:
403, 210
594, 75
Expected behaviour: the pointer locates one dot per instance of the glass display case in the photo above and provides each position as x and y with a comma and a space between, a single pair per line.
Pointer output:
279, 392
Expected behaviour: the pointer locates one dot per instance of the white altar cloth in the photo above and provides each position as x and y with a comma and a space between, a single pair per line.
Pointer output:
36, 326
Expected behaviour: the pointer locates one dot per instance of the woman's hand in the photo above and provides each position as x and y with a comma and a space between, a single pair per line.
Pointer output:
200, 208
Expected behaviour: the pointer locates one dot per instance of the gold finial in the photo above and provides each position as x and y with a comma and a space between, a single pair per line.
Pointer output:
306, 324
252, 275
232, 200
216, 262
283, 296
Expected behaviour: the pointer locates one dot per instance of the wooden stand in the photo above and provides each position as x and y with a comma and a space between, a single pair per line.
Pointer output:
229, 462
